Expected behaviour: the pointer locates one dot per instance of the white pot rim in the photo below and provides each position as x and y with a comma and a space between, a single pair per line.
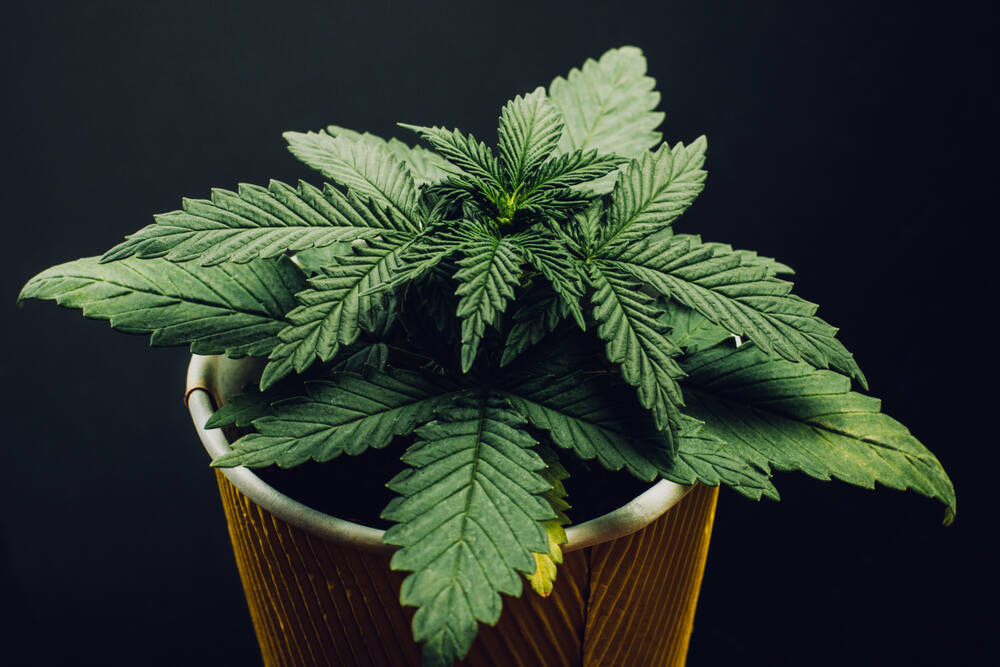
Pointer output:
205, 378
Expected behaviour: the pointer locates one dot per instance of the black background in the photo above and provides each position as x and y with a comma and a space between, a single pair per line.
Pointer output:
850, 140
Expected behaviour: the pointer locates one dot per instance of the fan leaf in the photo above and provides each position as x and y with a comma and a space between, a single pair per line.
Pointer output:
738, 291
345, 415
242, 409
637, 340
543, 579
529, 131
366, 165
428, 250
257, 222
569, 169
792, 416
585, 414
690, 331
465, 153
487, 276
538, 312
704, 458
232, 309
425, 166
335, 309
467, 521
651, 193
544, 252
608, 105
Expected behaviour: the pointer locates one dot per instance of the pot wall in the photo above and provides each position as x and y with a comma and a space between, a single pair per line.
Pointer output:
630, 601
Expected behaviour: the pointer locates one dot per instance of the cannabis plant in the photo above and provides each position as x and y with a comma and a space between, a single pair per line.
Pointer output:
489, 311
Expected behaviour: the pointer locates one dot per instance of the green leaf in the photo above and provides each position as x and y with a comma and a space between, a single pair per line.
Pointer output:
335, 309
690, 330
544, 252
429, 250
550, 207
702, 457
430, 307
487, 276
795, 417
771, 266
738, 292
425, 166
313, 260
347, 414
544, 577
242, 409
569, 169
468, 521
464, 152
582, 231
366, 165
637, 339
365, 359
608, 105
232, 309
538, 312
529, 131
651, 193
584, 413
459, 196
257, 223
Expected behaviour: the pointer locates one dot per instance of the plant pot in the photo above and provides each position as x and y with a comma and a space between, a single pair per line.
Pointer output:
321, 592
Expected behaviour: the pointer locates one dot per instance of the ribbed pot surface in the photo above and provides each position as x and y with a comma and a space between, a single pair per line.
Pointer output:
630, 601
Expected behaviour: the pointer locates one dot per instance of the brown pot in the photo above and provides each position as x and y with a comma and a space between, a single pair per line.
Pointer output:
321, 592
